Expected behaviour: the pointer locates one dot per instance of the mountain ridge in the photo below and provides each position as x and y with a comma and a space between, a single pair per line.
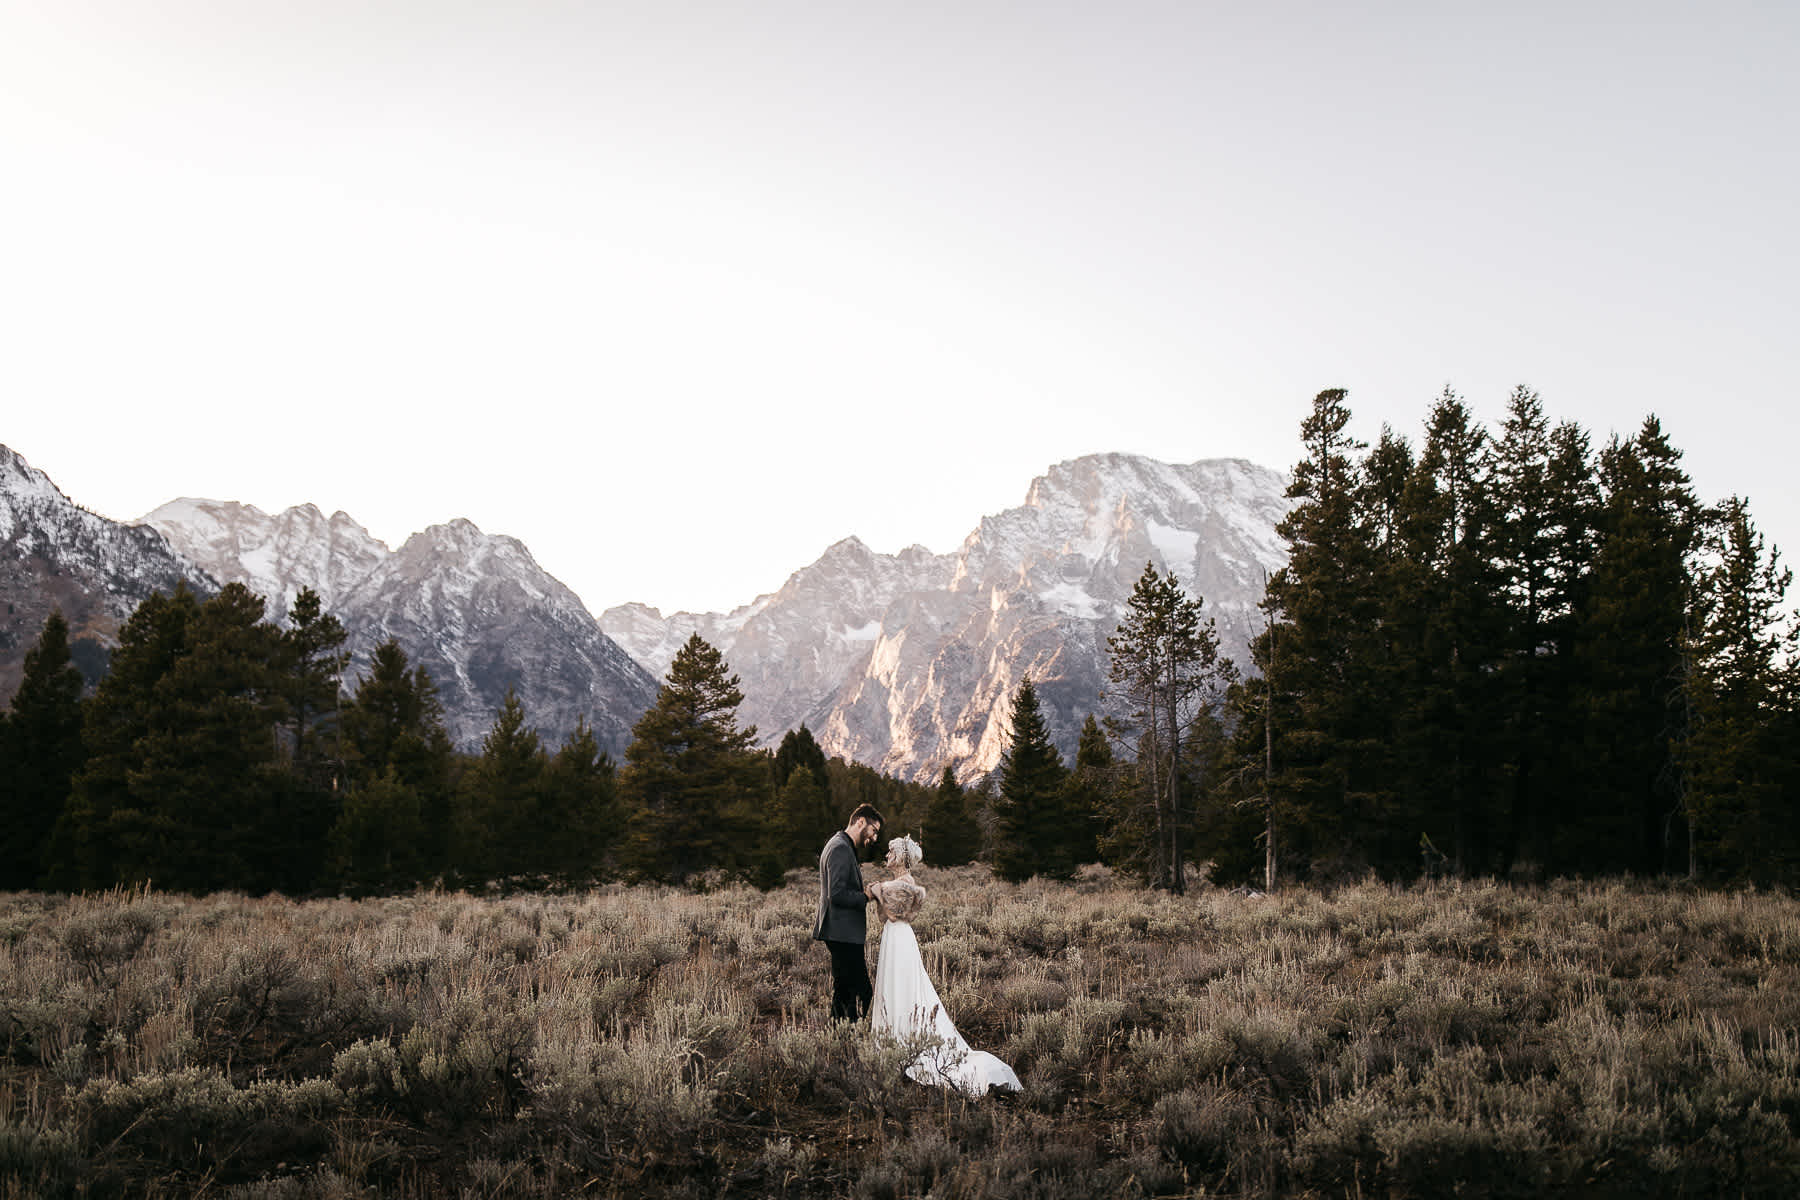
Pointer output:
476, 610
55, 554
909, 661
904, 661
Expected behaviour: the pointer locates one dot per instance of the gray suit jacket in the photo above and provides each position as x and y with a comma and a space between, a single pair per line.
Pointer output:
843, 915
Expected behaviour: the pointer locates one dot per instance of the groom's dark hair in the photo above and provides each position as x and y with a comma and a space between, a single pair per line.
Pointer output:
866, 812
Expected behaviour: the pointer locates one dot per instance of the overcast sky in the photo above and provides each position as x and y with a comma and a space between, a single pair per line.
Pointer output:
681, 293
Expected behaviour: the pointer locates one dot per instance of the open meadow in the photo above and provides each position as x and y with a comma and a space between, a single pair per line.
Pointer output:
1594, 1039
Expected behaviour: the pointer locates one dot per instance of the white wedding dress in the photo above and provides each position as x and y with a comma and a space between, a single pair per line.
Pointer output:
907, 1007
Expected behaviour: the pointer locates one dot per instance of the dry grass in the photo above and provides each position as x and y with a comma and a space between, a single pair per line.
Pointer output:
1603, 1039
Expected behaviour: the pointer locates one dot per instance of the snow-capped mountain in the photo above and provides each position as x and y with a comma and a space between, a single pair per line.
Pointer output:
56, 554
274, 556
481, 616
909, 662
475, 610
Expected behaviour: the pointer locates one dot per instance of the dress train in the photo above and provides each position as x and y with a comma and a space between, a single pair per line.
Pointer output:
907, 1008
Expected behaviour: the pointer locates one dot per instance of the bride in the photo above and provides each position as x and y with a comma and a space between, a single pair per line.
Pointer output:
907, 1005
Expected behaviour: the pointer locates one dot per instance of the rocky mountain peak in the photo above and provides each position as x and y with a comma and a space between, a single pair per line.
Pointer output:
909, 661
54, 554
476, 610
275, 555
906, 662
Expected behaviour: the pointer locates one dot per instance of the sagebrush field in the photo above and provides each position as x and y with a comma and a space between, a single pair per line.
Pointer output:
1609, 1039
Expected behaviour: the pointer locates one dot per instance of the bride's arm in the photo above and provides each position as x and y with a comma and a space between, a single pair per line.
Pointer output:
878, 893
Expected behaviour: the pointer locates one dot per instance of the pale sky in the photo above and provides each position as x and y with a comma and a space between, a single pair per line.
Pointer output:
680, 293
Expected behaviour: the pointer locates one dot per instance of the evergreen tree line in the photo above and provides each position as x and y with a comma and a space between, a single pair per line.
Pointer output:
1495, 652
1505, 652
222, 752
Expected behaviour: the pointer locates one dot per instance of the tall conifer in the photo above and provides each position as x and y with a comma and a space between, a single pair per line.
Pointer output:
102, 811
1030, 823
952, 832
503, 825
696, 794
583, 817
208, 765
1634, 632
1445, 602
1731, 758
1166, 668
1330, 743
40, 752
394, 724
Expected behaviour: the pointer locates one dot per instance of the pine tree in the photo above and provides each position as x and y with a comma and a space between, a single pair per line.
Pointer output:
1221, 833
1165, 664
1251, 784
1731, 760
85, 844
798, 749
302, 801
1443, 605
314, 662
952, 833
503, 820
378, 841
583, 818
1633, 646
1090, 789
208, 766
395, 721
1531, 550
1380, 678
1330, 743
803, 820
1030, 825
40, 752
804, 816
182, 758
1574, 498
692, 783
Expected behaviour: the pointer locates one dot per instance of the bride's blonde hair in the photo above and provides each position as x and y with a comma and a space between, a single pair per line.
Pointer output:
909, 853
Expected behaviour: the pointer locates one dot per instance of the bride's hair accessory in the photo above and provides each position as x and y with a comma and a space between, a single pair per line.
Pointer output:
909, 852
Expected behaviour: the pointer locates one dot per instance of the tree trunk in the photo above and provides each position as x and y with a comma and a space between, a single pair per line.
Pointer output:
1177, 876
1269, 780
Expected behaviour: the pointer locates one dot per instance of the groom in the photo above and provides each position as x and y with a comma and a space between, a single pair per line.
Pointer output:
843, 917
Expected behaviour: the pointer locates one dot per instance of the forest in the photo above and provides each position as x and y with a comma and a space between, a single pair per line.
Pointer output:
1493, 653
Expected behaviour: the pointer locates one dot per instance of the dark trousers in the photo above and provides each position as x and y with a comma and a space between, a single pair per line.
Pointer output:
851, 991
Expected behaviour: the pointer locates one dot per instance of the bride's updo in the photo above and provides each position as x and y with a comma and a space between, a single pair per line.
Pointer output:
905, 853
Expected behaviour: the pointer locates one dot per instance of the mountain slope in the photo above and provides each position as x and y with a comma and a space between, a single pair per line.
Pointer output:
909, 662
476, 611
56, 554
481, 616
273, 555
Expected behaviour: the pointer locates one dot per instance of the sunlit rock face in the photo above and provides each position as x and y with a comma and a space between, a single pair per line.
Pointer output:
909, 662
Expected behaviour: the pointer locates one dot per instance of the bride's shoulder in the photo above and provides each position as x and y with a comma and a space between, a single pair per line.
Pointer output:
902, 897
